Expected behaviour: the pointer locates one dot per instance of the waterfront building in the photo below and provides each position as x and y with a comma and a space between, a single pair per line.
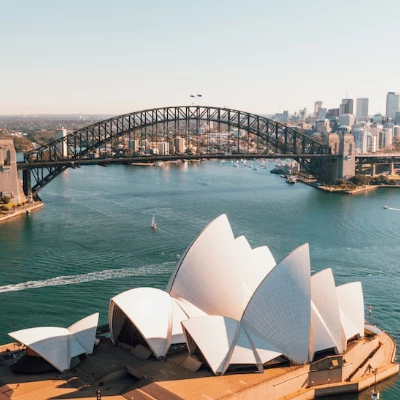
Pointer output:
163, 148
392, 104
252, 321
10, 182
60, 347
180, 145
346, 107
134, 145
362, 109
62, 147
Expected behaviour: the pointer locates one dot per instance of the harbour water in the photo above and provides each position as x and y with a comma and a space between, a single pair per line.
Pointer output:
92, 239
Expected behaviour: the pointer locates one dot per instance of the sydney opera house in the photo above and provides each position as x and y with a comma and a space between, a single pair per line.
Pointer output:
233, 306
233, 309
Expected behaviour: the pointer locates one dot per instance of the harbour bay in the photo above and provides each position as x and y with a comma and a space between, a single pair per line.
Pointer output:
92, 239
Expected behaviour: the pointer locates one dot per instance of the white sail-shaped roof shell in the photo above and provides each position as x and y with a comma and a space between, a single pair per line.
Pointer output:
351, 306
153, 313
84, 331
216, 346
280, 309
59, 345
325, 317
217, 273
230, 343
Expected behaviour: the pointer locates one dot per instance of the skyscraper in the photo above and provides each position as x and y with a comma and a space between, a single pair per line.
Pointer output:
362, 109
317, 108
346, 107
392, 104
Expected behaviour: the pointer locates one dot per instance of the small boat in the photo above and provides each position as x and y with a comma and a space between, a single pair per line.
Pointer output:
385, 207
153, 223
374, 394
291, 179
375, 391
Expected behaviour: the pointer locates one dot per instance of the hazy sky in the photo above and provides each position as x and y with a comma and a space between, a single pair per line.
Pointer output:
263, 56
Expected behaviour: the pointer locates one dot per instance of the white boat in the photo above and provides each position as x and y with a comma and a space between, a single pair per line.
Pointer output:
291, 179
153, 223
235, 165
159, 164
385, 207
374, 394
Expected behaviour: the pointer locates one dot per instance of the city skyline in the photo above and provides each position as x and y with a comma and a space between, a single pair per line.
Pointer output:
93, 58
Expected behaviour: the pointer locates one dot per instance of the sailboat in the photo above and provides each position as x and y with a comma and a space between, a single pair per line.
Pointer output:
153, 223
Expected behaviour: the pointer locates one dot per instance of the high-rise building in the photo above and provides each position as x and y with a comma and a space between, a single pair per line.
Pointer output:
346, 120
392, 104
322, 112
163, 148
332, 113
385, 138
362, 109
179, 144
134, 145
317, 109
62, 146
346, 107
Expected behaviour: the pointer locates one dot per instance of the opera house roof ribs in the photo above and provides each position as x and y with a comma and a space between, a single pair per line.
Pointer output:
234, 305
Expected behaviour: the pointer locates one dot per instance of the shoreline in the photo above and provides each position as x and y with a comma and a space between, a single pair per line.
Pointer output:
21, 210
334, 190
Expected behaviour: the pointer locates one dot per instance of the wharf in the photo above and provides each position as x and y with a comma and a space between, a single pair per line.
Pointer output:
20, 210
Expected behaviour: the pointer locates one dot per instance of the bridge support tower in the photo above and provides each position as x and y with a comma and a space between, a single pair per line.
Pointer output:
345, 167
26, 183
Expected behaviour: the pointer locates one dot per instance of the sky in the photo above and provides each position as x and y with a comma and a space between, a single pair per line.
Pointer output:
261, 56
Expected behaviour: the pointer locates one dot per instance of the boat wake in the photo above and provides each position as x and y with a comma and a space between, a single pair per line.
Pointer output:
393, 209
155, 269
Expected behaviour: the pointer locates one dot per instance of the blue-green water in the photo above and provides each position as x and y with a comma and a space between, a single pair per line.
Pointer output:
92, 239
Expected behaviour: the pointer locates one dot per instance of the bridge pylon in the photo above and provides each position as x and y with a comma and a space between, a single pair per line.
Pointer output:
345, 166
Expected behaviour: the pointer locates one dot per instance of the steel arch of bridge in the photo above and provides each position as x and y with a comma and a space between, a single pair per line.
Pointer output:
82, 143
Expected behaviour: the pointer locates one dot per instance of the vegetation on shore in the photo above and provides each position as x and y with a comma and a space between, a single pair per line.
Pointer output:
358, 182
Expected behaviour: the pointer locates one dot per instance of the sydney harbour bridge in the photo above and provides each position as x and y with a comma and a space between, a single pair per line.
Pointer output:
105, 142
